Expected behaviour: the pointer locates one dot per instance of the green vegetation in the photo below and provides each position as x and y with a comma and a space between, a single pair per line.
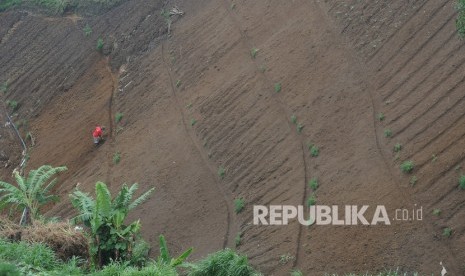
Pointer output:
447, 232
381, 116
111, 239
222, 263
262, 68
314, 150
285, 258
294, 119
118, 117
5, 4
4, 87
13, 105
239, 204
116, 158
460, 21
296, 272
193, 122
462, 182
313, 183
253, 52
434, 157
178, 83
407, 166
413, 180
166, 258
221, 172
437, 212
87, 30
277, 87
237, 239
31, 192
300, 127
233, 6
387, 133
397, 147
311, 200
100, 44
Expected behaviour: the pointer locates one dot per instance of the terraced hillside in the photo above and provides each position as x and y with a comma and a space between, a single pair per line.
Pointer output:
225, 105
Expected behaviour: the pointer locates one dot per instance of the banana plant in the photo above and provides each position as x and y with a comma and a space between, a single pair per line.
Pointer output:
104, 216
166, 258
31, 192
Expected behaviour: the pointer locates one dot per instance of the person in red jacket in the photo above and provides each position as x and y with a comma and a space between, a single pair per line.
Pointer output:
97, 134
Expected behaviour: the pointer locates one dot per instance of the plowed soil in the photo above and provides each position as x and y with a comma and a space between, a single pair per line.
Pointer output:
194, 100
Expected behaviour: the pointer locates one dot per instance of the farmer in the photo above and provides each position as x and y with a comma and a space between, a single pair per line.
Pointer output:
97, 134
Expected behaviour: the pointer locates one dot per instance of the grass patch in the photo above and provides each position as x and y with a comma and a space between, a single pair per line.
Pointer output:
221, 172
313, 183
277, 87
437, 212
239, 204
314, 150
4, 87
224, 262
407, 166
253, 52
285, 258
100, 44
6, 4
116, 158
387, 133
397, 147
118, 117
296, 272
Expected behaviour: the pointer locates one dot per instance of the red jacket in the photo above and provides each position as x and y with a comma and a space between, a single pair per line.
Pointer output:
97, 132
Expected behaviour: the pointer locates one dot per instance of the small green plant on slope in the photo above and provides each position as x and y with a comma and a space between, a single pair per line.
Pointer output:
294, 119
462, 182
397, 147
87, 30
413, 180
437, 212
253, 52
460, 21
104, 216
31, 192
447, 232
285, 258
12, 104
300, 127
100, 44
237, 239
277, 87
166, 258
296, 272
193, 122
222, 263
239, 204
221, 172
387, 133
381, 116
4, 87
314, 150
311, 200
313, 183
116, 158
118, 117
178, 83
407, 166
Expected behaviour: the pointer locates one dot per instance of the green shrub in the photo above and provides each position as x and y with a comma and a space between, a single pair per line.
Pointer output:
118, 117
178, 83
413, 180
100, 44
381, 116
237, 239
239, 204
4, 87
13, 105
296, 273
277, 87
397, 147
222, 263
299, 127
447, 232
462, 182
193, 122
314, 150
437, 212
407, 166
294, 119
311, 200
7, 269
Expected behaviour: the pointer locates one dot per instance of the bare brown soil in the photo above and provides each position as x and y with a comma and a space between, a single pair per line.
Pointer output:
339, 63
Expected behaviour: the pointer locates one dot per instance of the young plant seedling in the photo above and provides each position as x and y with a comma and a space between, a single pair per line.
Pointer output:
407, 166
387, 133
299, 127
221, 172
311, 200
118, 117
447, 232
116, 158
397, 147
437, 212
462, 182
313, 183
193, 122
381, 116
87, 30
294, 119
254, 52
413, 180
277, 87
239, 204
